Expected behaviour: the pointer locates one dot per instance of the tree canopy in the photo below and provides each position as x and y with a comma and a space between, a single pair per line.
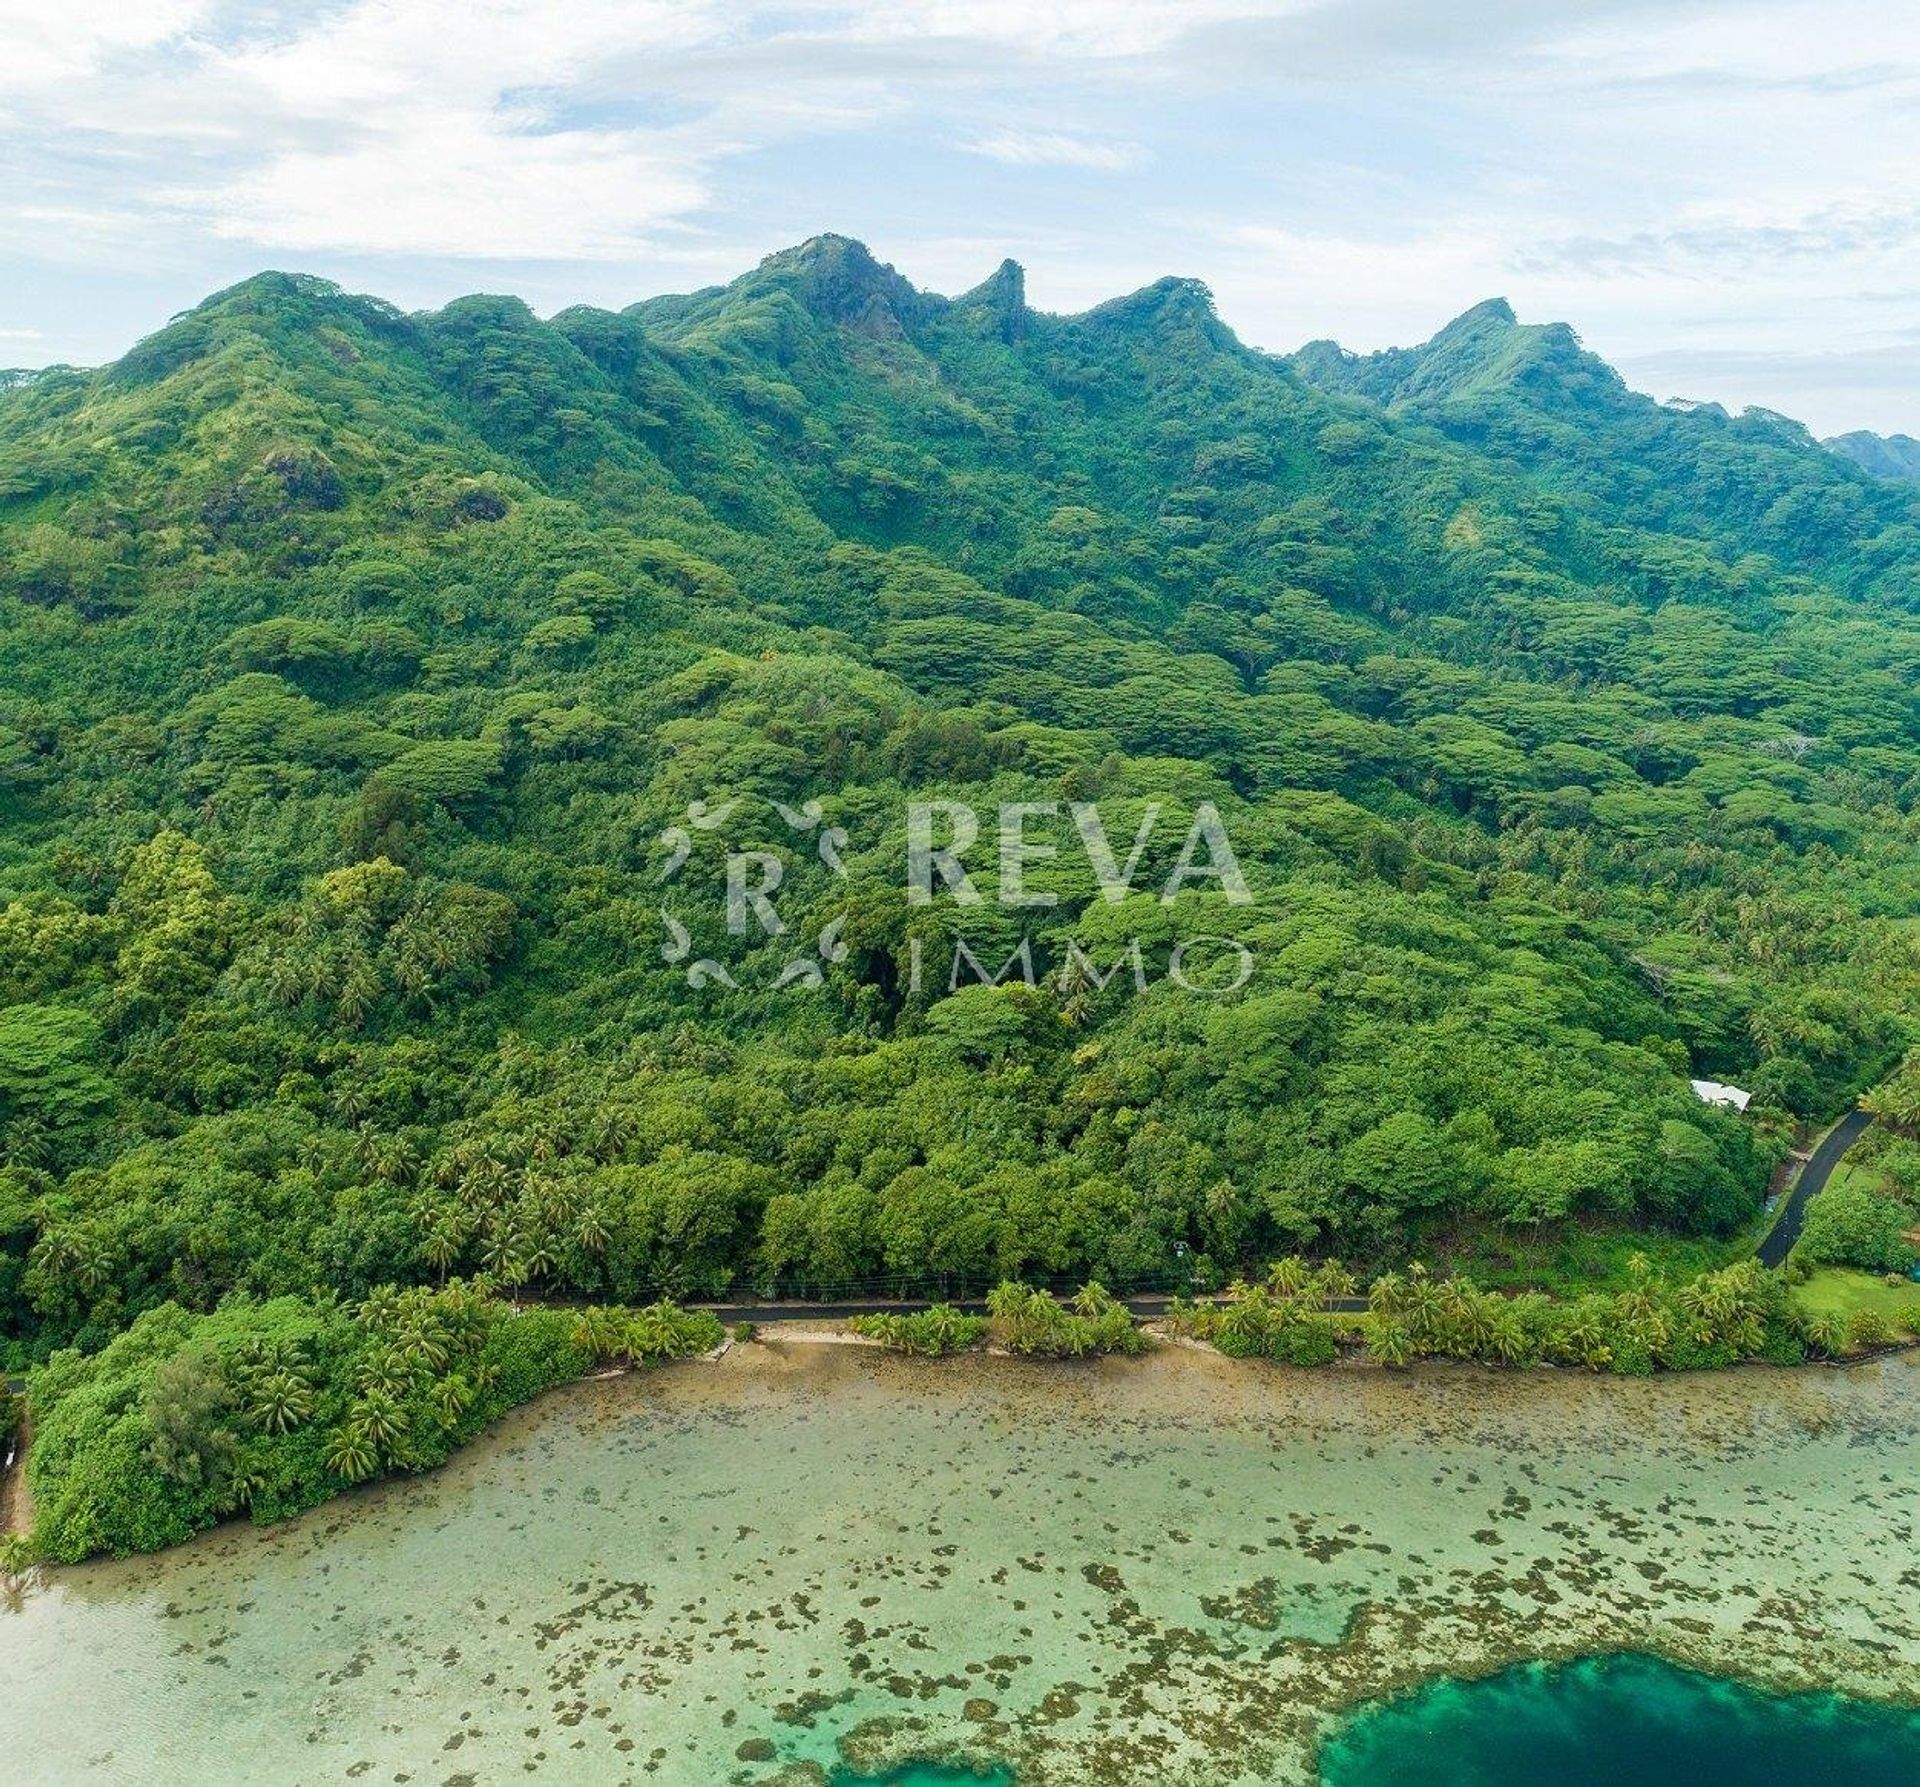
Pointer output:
364, 667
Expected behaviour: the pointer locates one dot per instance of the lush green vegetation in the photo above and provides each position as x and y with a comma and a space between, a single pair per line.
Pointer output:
268, 1407
1020, 1319
932, 1333
1284, 1319
1038, 1325
362, 669
1715, 1319
1868, 1208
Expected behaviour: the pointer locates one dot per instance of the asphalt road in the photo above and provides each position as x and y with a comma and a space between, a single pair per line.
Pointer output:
1147, 1307
1812, 1181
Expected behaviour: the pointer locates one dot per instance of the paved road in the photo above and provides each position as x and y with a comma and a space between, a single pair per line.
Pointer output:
1147, 1307
1812, 1181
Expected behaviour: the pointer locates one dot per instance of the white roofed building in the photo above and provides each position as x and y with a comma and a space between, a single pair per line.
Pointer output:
1712, 1092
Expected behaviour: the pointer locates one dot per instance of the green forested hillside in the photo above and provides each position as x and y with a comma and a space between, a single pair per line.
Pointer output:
1885, 455
360, 668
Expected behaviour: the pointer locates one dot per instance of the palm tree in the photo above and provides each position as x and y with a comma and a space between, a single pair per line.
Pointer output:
379, 1420
942, 1328
1388, 1296
603, 1331
452, 1397
654, 1332
1332, 1282
540, 1258
280, 1401
1584, 1336
1473, 1313
352, 1456
1093, 1300
590, 1232
1426, 1305
1390, 1343
441, 1247
1508, 1340
378, 1308
242, 1487
386, 1373
1288, 1277
423, 1341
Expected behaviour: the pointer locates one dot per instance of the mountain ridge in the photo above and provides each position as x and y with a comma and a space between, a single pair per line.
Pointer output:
840, 277
363, 660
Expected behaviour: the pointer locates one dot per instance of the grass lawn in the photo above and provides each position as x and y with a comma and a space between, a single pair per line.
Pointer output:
1572, 1258
1843, 1291
1854, 1172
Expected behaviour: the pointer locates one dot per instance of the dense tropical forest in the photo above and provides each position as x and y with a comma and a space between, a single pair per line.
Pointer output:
385, 692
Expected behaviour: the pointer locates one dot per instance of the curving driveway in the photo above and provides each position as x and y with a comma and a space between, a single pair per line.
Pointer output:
1812, 1181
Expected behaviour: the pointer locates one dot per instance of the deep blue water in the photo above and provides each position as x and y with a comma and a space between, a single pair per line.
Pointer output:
1624, 1721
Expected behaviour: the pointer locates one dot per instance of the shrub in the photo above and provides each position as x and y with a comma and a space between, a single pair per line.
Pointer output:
1868, 1329
931, 1333
1851, 1225
1257, 1324
1039, 1325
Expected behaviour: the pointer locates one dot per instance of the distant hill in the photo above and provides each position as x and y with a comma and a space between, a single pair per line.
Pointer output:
1884, 455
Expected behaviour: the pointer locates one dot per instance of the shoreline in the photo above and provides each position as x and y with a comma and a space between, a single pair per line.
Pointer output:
16, 1496
1195, 1647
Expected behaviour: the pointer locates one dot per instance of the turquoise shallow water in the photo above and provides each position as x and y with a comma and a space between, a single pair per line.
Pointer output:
1624, 1721
804, 1565
923, 1774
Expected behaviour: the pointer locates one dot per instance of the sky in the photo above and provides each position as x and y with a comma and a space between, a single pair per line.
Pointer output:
1724, 199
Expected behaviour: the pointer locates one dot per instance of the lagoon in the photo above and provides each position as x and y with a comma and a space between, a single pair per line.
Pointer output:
807, 1563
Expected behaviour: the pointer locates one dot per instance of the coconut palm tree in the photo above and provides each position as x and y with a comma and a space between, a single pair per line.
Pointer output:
352, 1456
1288, 1277
452, 1397
1332, 1282
1426, 1306
1390, 1343
379, 1308
279, 1401
590, 1231
1093, 1300
1388, 1296
378, 1418
441, 1246
1508, 1340
654, 1332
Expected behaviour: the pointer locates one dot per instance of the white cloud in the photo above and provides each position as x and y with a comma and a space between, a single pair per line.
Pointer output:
1688, 175
1050, 149
1101, 28
455, 184
47, 46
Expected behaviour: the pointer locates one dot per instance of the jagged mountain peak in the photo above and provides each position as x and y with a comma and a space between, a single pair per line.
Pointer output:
838, 279
1003, 295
